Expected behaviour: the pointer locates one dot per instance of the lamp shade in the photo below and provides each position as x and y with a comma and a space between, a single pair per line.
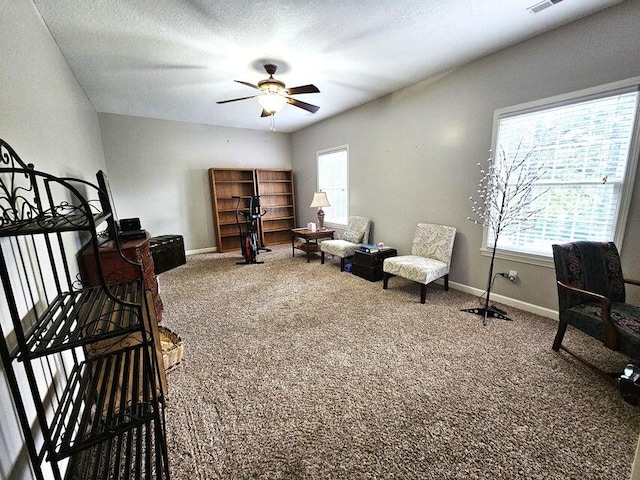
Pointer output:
320, 200
272, 102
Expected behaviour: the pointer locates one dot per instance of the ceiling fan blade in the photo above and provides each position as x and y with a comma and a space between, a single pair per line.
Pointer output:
248, 84
302, 89
236, 99
305, 106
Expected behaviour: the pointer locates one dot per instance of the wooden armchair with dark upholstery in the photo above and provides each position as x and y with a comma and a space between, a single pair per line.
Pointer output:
591, 298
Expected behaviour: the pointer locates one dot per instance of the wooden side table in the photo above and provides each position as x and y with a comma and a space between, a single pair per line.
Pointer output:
311, 240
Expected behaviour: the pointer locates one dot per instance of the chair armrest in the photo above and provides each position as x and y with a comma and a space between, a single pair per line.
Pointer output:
610, 330
631, 281
592, 295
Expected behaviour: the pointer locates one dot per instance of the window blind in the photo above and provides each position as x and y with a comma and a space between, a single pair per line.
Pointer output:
333, 178
583, 149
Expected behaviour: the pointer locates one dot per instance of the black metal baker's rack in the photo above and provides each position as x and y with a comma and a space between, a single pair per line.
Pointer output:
85, 360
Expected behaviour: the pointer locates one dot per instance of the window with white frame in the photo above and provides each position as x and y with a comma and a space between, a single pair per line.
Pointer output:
586, 148
333, 178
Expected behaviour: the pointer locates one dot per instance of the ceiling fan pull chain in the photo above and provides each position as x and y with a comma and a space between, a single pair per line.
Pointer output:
273, 122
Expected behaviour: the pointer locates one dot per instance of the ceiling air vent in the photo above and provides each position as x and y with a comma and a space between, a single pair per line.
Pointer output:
538, 7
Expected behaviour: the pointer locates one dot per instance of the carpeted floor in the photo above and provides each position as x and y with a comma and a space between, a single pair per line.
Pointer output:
296, 370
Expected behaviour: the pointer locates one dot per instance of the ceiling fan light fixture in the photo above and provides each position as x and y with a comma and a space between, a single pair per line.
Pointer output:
271, 85
272, 102
274, 94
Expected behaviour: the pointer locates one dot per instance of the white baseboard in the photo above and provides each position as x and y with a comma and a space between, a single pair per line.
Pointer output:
201, 250
527, 307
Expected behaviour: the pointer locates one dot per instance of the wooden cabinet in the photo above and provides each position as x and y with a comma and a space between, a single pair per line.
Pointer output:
118, 270
275, 188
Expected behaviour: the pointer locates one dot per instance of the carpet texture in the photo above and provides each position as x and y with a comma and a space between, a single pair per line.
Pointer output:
296, 370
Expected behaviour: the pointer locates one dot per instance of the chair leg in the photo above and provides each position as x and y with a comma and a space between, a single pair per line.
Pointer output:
611, 377
557, 342
385, 280
446, 282
321, 258
423, 292
342, 264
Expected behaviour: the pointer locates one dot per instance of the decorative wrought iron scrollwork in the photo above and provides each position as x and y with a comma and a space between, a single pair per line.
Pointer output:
105, 324
22, 200
77, 283
116, 344
9, 157
17, 194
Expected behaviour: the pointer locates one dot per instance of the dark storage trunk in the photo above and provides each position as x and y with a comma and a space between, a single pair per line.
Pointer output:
373, 259
373, 274
167, 252
369, 265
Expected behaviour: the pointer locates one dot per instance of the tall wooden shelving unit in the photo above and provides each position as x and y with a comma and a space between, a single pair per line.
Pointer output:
275, 188
90, 356
227, 183
277, 197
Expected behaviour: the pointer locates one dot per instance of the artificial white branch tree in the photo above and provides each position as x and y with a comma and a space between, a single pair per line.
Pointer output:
505, 199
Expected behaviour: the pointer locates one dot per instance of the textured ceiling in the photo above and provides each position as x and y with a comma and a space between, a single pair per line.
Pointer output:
173, 59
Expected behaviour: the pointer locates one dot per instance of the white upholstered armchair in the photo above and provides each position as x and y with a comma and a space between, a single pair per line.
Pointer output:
429, 260
356, 234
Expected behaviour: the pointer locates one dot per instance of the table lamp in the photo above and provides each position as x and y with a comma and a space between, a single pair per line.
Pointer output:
320, 200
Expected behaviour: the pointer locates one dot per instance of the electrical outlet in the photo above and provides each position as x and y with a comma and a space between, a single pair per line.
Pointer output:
513, 274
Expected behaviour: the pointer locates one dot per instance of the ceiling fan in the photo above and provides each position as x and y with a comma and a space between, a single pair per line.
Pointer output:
275, 94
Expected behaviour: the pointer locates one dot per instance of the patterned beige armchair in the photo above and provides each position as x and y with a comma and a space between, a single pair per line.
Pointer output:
429, 260
356, 234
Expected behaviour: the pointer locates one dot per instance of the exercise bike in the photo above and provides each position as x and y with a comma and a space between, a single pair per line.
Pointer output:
250, 245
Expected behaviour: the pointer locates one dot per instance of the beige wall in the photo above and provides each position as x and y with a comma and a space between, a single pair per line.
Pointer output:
46, 117
158, 170
414, 154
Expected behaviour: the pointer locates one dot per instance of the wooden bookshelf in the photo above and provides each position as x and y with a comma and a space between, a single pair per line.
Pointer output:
277, 197
227, 183
275, 188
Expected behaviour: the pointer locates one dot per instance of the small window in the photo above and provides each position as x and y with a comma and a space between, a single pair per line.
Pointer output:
586, 144
333, 178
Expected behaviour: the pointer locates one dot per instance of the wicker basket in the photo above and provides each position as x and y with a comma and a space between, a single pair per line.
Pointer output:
172, 348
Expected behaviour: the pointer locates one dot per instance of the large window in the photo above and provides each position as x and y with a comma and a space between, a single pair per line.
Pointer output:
333, 178
587, 147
